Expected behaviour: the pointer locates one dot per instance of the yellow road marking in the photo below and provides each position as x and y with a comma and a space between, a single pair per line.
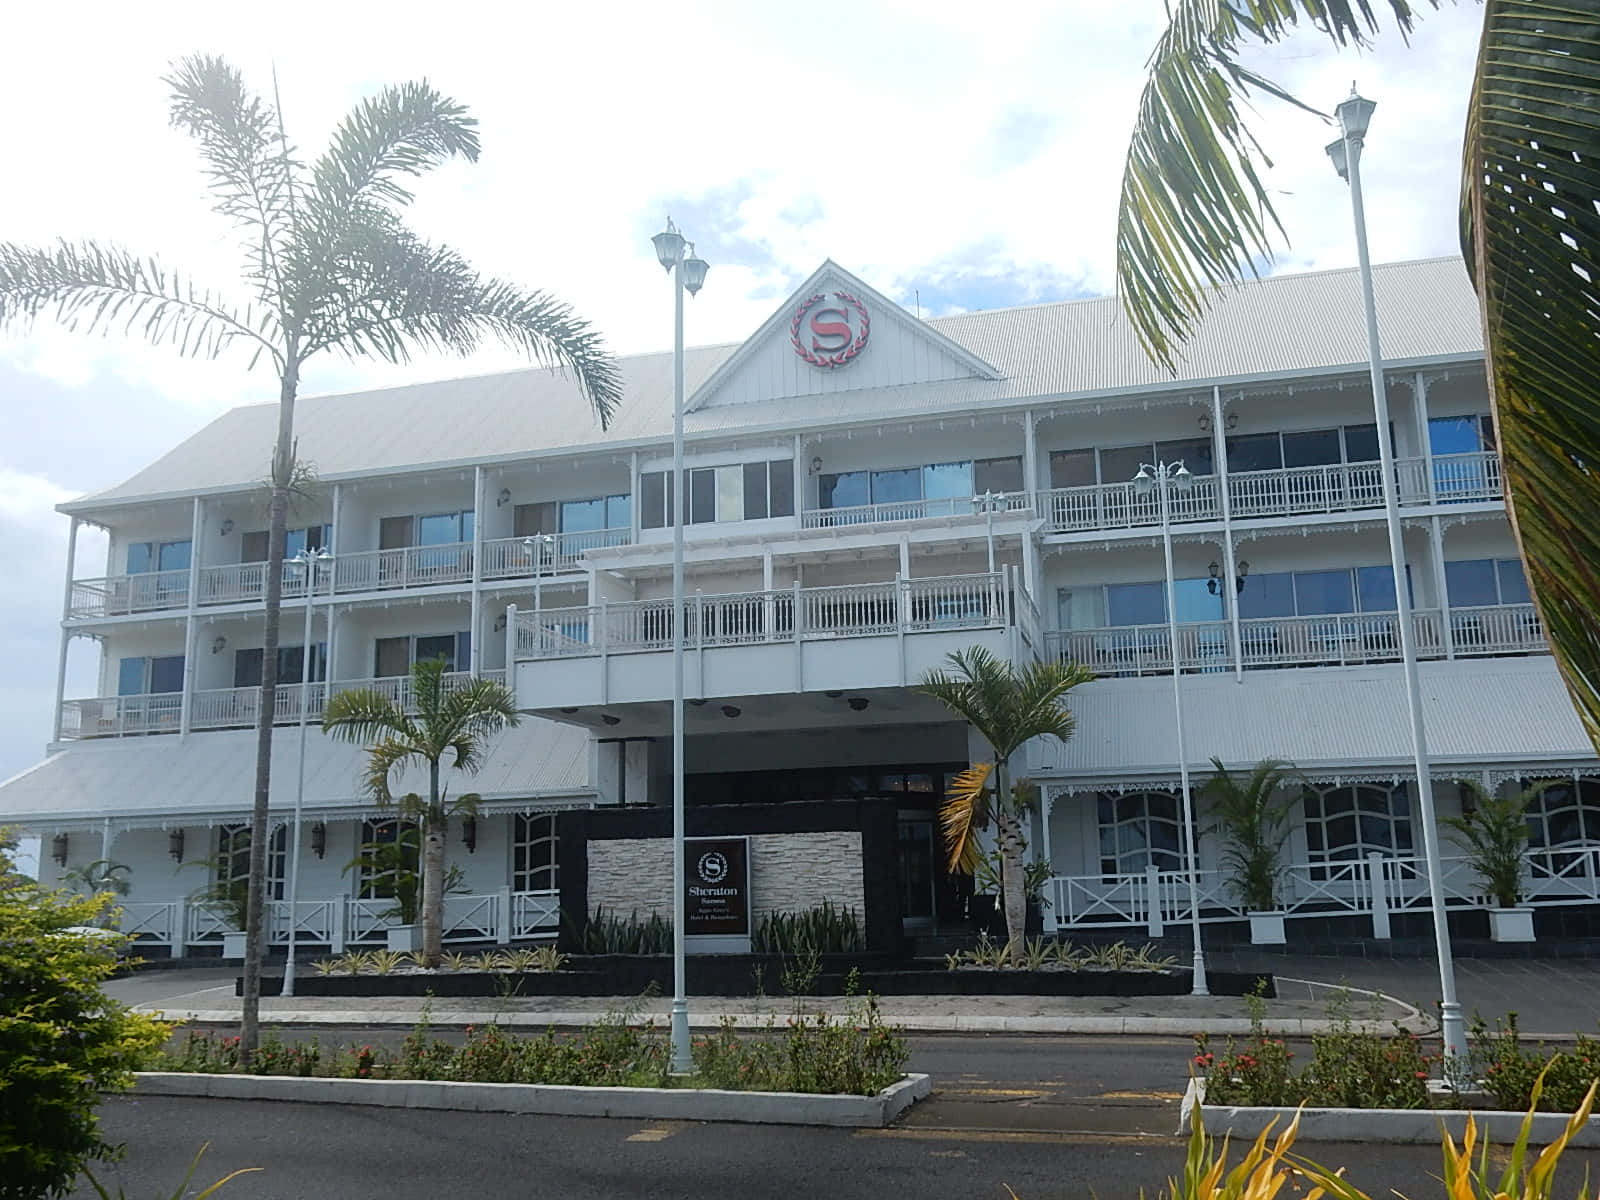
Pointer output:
1140, 1096
992, 1091
649, 1135
1025, 1136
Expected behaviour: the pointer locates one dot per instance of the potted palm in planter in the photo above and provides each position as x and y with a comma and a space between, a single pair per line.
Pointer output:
228, 899
1253, 823
1494, 833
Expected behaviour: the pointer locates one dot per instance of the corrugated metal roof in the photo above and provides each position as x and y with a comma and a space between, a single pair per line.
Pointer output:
1504, 710
214, 774
1285, 324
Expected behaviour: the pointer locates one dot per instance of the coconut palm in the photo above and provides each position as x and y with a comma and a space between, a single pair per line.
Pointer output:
328, 266
452, 720
1254, 820
1195, 213
1007, 707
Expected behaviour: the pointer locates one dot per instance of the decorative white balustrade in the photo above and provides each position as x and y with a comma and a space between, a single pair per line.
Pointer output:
123, 595
547, 554
1286, 491
912, 510
1333, 640
748, 618
336, 922
1376, 887
228, 708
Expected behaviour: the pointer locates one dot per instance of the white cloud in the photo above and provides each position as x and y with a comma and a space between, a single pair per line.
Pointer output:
895, 137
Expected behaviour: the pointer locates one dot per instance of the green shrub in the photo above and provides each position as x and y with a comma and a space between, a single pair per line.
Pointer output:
62, 1041
854, 1055
608, 933
1509, 1070
825, 929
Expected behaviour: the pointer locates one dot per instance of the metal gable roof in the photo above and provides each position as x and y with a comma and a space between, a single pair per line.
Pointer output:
1281, 325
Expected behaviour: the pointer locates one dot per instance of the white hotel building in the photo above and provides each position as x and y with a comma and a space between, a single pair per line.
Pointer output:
835, 552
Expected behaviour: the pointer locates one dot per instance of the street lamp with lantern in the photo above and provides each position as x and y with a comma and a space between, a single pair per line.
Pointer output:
688, 272
990, 503
309, 561
1159, 477
1355, 115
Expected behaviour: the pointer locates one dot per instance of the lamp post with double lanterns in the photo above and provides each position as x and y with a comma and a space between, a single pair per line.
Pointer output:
1355, 115
688, 272
1160, 477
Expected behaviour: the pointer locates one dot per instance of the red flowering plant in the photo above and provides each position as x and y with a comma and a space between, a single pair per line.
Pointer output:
1257, 1071
1509, 1069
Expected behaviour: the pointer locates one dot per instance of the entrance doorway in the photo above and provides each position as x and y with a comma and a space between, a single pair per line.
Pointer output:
918, 866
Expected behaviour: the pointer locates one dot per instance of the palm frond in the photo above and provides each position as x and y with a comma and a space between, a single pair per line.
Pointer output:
1194, 213
93, 288
383, 759
470, 713
403, 132
248, 165
964, 811
388, 293
364, 714
1529, 232
1005, 706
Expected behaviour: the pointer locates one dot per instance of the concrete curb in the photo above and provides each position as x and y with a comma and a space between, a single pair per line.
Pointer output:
1395, 1126
911, 1023
758, 1108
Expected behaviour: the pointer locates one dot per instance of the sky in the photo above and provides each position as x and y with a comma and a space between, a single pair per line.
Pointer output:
956, 156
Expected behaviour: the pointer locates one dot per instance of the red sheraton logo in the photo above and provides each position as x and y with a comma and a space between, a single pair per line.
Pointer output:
824, 336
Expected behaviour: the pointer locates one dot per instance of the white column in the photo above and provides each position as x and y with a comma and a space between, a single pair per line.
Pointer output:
1030, 453
511, 648
1441, 584
633, 498
1419, 405
197, 524
801, 472
1230, 584
66, 635
475, 622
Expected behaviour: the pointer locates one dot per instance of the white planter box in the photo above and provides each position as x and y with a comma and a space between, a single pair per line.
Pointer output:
233, 945
405, 938
1266, 928
1511, 924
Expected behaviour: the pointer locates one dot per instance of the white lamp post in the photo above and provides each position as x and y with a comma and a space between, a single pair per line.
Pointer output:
1355, 113
309, 562
988, 503
1159, 476
537, 546
687, 271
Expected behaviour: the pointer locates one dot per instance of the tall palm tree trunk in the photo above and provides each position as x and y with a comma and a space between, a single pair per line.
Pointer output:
278, 518
433, 872
1008, 829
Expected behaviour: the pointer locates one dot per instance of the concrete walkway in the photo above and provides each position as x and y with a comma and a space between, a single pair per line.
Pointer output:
206, 995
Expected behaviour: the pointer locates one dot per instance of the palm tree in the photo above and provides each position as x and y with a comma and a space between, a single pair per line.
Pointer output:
1256, 824
450, 720
1194, 211
328, 266
1494, 832
1007, 707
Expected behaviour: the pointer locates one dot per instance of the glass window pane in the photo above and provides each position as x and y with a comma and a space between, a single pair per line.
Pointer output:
166, 674
1194, 452
1361, 443
755, 490
247, 668
654, 512
393, 657
469, 520
1453, 435
843, 491
439, 646
619, 512
1471, 582
1254, 452
1311, 448
945, 481
892, 487
464, 648
130, 677
1121, 463
1196, 601
702, 496
1375, 586
780, 485
141, 556
997, 475
582, 516
173, 556
439, 529
1268, 595
1318, 592
1513, 583
1135, 604
730, 493
1071, 468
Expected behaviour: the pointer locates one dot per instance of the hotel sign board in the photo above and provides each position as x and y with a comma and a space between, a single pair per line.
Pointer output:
716, 886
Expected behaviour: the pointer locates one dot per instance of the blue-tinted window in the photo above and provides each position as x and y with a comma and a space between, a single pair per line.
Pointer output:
1269, 595
1454, 435
1375, 589
582, 516
1513, 583
166, 674
1196, 601
1311, 448
1320, 592
944, 481
130, 677
893, 487
1135, 604
173, 556
843, 491
618, 512
1255, 452
442, 529
1471, 583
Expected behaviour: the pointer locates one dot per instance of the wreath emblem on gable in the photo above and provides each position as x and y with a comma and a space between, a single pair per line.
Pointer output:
816, 354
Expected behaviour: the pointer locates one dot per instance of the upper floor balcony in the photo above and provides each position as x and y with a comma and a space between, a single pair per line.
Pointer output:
1282, 492
401, 569
227, 708
1343, 639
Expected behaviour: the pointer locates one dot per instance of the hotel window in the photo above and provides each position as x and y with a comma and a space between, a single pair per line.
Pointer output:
1565, 814
291, 666
389, 849
253, 545
588, 515
150, 676
937, 489
159, 556
232, 860
1350, 821
1480, 582
395, 655
1139, 830
736, 492
533, 852
1318, 593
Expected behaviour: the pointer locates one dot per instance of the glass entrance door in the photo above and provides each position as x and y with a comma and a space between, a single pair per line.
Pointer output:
916, 851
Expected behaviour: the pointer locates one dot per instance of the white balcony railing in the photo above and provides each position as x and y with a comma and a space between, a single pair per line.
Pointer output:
242, 583
1286, 491
1333, 640
911, 510
516, 558
228, 708
743, 618
123, 595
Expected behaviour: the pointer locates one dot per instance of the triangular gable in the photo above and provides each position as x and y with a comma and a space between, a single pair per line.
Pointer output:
836, 334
